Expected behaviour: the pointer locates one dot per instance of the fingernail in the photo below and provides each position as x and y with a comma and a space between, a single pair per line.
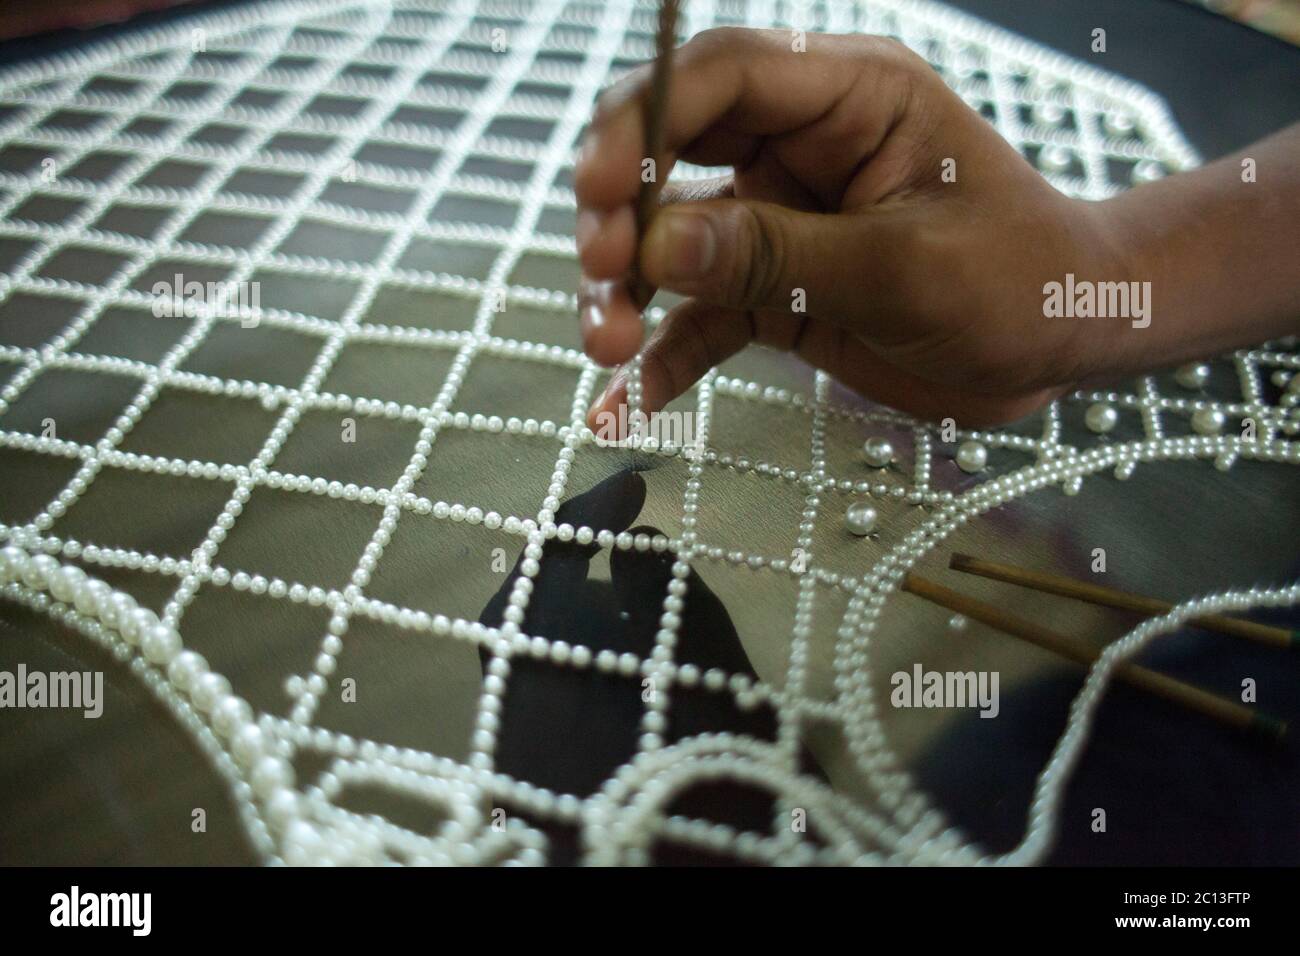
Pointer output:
587, 150
600, 400
593, 298
587, 226
681, 245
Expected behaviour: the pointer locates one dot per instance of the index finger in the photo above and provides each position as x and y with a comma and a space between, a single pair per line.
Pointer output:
729, 88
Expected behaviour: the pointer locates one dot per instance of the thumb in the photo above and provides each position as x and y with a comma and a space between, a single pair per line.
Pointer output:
745, 254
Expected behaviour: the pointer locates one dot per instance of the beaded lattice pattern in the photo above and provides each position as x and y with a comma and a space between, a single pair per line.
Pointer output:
283, 122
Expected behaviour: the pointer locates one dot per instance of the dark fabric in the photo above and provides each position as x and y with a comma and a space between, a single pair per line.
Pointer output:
1176, 787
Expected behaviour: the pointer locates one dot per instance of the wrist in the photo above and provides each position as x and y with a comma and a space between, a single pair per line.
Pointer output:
1104, 290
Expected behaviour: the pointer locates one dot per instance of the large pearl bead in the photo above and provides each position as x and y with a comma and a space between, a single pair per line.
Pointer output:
1101, 417
134, 626
1055, 159
66, 582
1049, 114
1148, 171
248, 744
1118, 124
12, 561
1192, 376
36, 574
229, 714
115, 607
160, 644
185, 668
972, 456
1207, 421
208, 689
270, 774
860, 519
878, 452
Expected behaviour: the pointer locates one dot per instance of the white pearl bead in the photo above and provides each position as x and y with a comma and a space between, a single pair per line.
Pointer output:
1207, 421
65, 583
860, 519
282, 807
1101, 417
185, 668
37, 571
269, 775
1055, 159
1193, 376
229, 714
208, 689
95, 597
160, 644
12, 560
878, 452
115, 607
136, 624
972, 456
1148, 171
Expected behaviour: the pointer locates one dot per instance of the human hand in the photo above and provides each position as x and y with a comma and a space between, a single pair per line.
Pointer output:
923, 291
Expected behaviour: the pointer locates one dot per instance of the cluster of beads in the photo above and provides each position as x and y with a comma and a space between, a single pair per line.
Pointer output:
306, 825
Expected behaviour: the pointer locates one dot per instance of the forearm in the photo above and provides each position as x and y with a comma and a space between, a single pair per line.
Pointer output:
1222, 254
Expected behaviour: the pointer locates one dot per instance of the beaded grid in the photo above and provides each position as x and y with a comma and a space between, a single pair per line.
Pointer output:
358, 78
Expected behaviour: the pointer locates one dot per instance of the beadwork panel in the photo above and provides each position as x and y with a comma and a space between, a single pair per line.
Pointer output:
351, 484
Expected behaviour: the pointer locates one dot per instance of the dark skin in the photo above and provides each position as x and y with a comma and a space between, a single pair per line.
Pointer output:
920, 293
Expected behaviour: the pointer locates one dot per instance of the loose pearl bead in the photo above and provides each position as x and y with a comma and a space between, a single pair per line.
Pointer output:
860, 519
878, 452
1055, 159
1207, 421
1118, 124
1148, 171
972, 456
1192, 376
1049, 114
1101, 417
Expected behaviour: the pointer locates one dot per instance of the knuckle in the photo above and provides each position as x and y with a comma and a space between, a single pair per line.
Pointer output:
718, 40
890, 51
763, 257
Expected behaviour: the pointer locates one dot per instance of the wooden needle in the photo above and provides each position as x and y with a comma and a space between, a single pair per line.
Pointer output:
1193, 698
648, 197
1111, 597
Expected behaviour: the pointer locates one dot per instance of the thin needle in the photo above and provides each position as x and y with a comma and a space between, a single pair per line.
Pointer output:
648, 198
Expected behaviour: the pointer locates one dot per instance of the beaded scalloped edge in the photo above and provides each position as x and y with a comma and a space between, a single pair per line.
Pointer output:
287, 822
